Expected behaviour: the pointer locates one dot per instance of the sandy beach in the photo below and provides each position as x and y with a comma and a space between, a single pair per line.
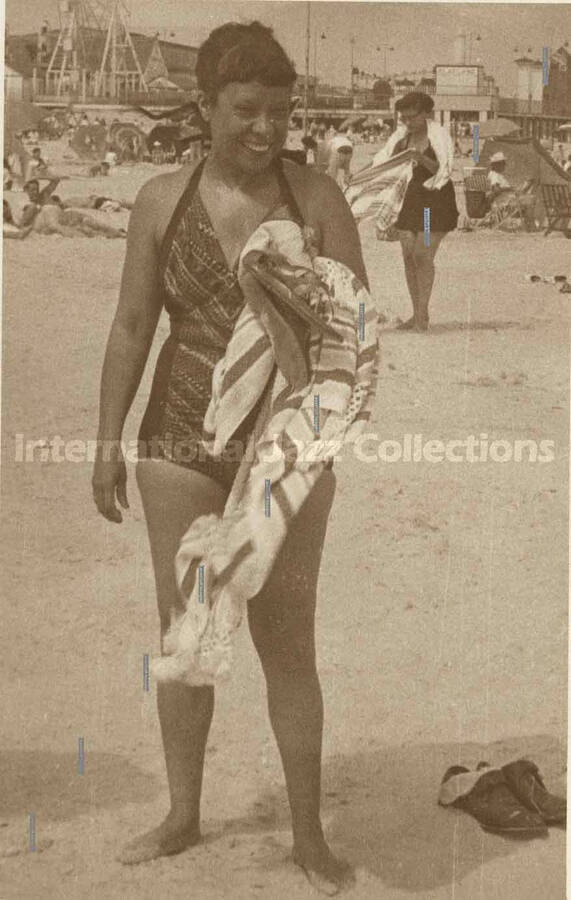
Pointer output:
442, 622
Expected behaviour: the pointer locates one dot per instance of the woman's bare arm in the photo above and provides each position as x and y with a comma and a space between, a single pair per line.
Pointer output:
134, 325
338, 229
136, 319
127, 351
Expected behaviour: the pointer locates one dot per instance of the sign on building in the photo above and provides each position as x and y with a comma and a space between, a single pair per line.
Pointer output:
457, 79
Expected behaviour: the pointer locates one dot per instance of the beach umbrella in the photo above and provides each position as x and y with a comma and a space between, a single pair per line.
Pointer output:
19, 115
351, 120
116, 127
497, 128
126, 135
89, 141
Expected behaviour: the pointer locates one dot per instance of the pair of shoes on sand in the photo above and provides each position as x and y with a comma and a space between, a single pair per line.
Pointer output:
512, 800
413, 324
546, 279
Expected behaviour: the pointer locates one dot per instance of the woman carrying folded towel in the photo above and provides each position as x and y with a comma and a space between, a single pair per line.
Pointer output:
429, 188
185, 237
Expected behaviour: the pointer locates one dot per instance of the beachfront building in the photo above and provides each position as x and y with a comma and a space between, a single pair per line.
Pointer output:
557, 91
171, 64
461, 92
324, 97
464, 93
542, 99
17, 85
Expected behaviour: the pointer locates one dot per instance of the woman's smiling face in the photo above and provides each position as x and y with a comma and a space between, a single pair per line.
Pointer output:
248, 123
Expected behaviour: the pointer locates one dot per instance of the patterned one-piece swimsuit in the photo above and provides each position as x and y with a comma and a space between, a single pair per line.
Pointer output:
204, 300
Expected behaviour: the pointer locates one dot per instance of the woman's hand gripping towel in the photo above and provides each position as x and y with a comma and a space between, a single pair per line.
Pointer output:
306, 418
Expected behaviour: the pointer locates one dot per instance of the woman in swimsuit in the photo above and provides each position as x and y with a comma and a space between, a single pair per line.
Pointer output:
184, 241
420, 134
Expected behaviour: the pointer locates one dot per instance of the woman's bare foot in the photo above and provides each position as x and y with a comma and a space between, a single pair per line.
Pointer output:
172, 836
325, 872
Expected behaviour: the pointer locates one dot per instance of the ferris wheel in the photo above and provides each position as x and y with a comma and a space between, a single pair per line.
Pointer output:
94, 44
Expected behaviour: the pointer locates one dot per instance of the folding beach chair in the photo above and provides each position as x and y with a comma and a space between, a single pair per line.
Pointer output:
557, 202
475, 187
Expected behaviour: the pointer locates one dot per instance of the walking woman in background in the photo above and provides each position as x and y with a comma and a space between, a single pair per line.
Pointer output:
186, 234
429, 188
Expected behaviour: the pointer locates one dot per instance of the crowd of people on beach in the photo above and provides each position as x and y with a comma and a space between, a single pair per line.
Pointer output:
322, 147
38, 208
30, 202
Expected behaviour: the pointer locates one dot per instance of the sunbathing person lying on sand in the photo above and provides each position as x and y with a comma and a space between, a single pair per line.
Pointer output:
95, 201
9, 227
101, 168
72, 223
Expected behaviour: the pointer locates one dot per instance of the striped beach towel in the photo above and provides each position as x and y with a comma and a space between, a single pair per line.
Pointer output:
378, 194
224, 561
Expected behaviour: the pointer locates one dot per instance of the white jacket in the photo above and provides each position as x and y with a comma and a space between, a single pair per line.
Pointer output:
443, 148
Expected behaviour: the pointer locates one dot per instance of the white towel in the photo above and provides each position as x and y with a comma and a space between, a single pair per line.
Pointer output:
235, 553
443, 148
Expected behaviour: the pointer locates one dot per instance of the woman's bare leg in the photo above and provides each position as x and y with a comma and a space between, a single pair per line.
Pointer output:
408, 243
282, 625
424, 267
172, 498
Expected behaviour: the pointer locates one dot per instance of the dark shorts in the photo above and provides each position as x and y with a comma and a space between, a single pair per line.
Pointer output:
441, 203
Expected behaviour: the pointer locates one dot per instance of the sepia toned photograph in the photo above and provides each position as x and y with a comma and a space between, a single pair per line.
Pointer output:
285, 450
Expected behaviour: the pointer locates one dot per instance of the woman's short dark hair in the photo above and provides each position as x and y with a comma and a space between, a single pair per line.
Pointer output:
236, 52
415, 100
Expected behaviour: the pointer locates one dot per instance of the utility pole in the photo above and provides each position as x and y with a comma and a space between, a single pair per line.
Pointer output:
352, 42
322, 37
306, 85
113, 27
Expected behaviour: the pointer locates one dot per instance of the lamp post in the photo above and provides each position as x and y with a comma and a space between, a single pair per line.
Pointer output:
352, 42
322, 37
471, 38
387, 49
306, 84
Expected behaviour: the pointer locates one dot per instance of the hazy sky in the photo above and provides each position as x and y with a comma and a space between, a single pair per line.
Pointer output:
422, 34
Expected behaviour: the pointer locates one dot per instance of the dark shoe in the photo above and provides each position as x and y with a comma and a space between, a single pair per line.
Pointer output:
408, 325
453, 770
493, 805
527, 785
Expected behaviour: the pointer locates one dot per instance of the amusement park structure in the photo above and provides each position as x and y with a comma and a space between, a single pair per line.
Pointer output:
94, 54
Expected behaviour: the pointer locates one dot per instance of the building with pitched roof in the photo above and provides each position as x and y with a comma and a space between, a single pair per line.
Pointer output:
30, 55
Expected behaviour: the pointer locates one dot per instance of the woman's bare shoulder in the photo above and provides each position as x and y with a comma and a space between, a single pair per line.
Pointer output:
166, 185
314, 191
158, 197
